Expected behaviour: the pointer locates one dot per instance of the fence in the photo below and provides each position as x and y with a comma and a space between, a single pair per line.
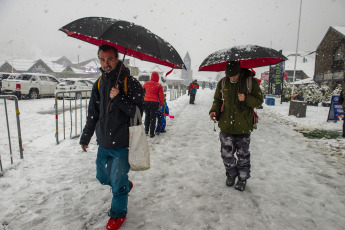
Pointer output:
177, 91
77, 96
8, 128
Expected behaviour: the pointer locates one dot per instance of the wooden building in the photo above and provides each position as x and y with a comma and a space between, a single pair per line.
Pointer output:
330, 57
299, 75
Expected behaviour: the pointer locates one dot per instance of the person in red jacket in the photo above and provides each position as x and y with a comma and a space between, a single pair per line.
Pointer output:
153, 101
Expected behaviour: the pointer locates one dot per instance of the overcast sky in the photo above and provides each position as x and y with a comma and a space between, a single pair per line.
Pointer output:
199, 27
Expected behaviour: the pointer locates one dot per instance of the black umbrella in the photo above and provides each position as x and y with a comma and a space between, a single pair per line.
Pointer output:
250, 56
128, 38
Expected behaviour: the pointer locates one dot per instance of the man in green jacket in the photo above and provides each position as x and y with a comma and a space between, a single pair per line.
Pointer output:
233, 104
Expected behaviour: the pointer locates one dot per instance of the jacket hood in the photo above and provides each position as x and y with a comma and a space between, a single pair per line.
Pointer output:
154, 77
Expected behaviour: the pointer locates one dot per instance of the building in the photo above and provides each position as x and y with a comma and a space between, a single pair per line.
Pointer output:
187, 75
60, 67
330, 56
299, 75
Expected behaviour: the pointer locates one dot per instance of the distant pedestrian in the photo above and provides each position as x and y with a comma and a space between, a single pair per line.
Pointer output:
203, 84
161, 117
233, 105
210, 85
342, 102
153, 101
193, 87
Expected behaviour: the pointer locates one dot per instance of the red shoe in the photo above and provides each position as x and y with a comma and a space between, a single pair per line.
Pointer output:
115, 223
130, 185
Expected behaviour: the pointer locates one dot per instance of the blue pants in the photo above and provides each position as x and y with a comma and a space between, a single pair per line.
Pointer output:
112, 169
161, 122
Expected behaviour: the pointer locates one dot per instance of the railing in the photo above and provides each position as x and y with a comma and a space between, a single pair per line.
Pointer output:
72, 95
177, 91
7, 97
327, 77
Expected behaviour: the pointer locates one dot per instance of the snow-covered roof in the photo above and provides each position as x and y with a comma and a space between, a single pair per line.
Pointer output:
57, 68
78, 71
305, 62
51, 59
90, 63
340, 29
305, 81
21, 64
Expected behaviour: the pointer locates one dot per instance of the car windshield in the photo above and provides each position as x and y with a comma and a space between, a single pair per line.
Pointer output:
89, 82
5, 76
68, 83
144, 78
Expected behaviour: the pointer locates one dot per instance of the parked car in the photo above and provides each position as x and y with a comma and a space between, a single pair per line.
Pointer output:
92, 80
30, 85
142, 78
9, 76
74, 84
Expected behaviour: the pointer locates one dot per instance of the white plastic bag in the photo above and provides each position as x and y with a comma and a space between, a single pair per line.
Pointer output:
139, 150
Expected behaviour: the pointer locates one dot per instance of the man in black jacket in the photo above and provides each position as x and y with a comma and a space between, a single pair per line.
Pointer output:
110, 109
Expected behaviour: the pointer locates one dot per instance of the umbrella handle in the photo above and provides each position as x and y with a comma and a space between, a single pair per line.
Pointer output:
117, 79
123, 59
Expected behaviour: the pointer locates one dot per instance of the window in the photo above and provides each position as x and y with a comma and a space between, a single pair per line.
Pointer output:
53, 79
89, 82
82, 83
25, 77
69, 82
339, 53
5, 76
43, 78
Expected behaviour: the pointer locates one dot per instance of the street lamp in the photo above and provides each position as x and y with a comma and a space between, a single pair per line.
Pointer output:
294, 71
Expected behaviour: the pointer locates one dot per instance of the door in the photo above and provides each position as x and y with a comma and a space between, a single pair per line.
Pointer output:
53, 83
45, 85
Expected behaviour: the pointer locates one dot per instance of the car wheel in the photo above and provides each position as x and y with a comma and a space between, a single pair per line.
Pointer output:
33, 94
18, 95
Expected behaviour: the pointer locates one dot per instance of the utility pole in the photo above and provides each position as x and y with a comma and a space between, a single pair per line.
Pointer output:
12, 53
294, 71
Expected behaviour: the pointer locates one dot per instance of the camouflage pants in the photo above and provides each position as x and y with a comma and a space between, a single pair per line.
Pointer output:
239, 145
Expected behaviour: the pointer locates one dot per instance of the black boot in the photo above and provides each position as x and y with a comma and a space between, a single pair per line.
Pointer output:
241, 184
230, 180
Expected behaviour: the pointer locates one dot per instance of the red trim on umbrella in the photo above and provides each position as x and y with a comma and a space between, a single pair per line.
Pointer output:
169, 72
250, 63
252, 70
121, 49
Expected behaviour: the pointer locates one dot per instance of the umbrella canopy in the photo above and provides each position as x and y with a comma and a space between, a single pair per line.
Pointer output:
128, 38
250, 56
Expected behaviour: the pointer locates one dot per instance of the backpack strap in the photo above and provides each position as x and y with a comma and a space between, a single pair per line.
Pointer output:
125, 84
99, 82
222, 91
249, 84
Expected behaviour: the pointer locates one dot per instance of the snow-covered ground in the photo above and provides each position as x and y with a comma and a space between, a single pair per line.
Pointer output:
296, 183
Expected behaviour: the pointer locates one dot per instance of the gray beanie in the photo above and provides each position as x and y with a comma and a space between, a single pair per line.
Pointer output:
232, 68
